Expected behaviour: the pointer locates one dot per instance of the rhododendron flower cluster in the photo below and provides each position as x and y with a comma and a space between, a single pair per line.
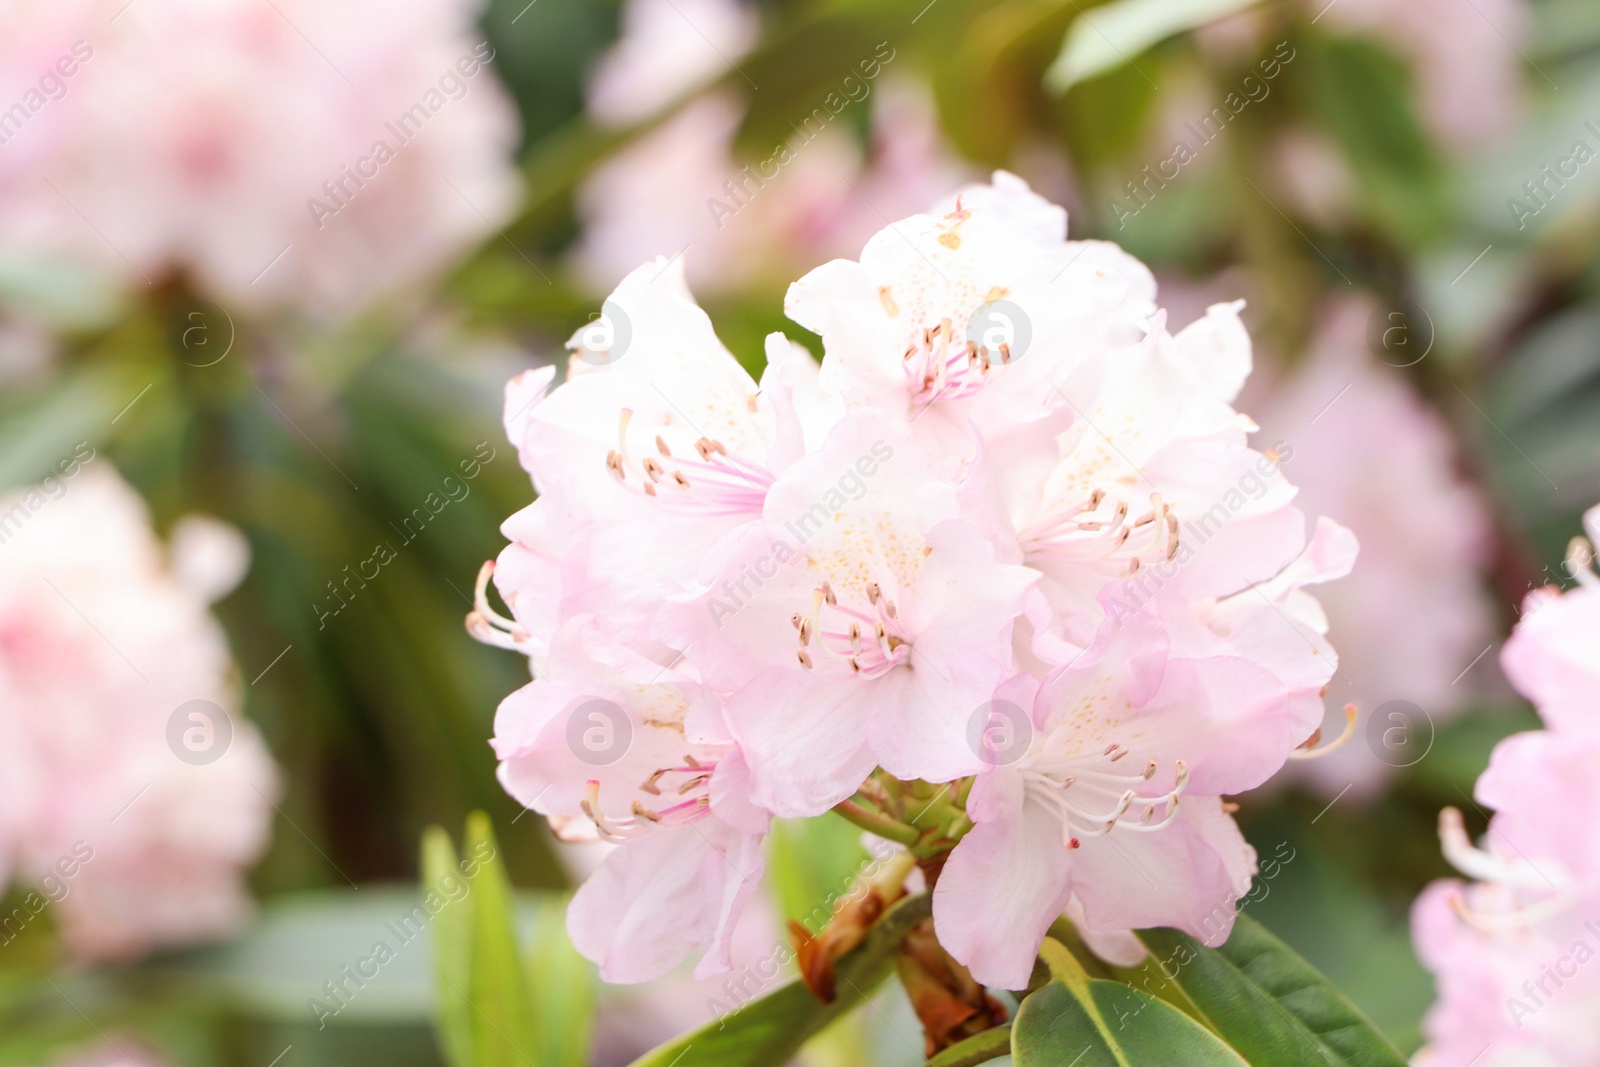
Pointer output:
272, 152
1516, 954
132, 833
1008, 551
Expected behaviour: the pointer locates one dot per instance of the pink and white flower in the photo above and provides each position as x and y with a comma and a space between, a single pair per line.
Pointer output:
856, 625
657, 445
1113, 802
1007, 481
605, 744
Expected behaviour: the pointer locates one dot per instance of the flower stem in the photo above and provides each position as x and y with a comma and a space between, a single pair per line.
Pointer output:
876, 823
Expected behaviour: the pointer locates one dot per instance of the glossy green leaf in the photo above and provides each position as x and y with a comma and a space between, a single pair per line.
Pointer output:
1268, 1003
770, 1030
1089, 1022
1108, 36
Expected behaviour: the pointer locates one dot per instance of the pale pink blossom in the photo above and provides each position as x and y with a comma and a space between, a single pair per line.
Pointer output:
1130, 749
857, 624
101, 644
898, 331
657, 445
1552, 656
238, 144
606, 743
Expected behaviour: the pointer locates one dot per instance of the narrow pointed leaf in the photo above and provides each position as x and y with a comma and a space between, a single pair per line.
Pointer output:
452, 947
496, 993
561, 984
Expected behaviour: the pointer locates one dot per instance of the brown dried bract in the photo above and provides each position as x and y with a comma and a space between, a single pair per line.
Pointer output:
852, 918
950, 1003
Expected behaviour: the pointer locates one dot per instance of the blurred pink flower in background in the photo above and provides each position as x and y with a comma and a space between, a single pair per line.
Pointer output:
104, 637
276, 152
667, 48
1367, 451
680, 190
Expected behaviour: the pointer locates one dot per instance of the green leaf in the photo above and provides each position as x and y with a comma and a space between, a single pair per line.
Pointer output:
1090, 1022
770, 1030
495, 993
452, 948
562, 985
1111, 35
1268, 1003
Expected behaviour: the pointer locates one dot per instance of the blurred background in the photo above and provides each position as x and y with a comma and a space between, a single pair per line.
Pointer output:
271, 262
